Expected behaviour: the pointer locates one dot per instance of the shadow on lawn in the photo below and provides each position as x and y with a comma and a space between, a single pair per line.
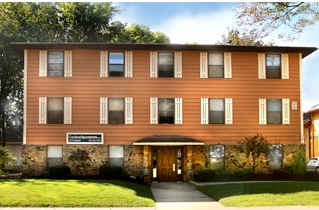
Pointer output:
218, 192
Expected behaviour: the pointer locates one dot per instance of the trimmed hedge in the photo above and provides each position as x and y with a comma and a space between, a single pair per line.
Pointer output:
206, 175
60, 171
110, 172
243, 175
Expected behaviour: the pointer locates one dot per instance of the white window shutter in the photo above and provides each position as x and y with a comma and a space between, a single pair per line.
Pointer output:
178, 64
284, 66
154, 111
204, 111
262, 112
261, 66
285, 111
229, 111
153, 64
104, 64
67, 63
67, 110
103, 110
128, 110
178, 111
203, 65
43, 63
128, 64
42, 110
227, 65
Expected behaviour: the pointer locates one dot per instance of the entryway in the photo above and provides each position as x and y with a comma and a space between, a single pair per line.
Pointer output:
167, 163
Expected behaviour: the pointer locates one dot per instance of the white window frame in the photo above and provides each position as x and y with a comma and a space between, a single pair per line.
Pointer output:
128, 64
178, 112
43, 63
228, 111
128, 106
204, 65
178, 65
67, 110
285, 111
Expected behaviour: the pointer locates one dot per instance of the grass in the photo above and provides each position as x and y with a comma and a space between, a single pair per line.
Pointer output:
265, 194
73, 193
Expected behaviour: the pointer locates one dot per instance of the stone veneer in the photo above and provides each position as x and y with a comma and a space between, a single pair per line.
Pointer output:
137, 159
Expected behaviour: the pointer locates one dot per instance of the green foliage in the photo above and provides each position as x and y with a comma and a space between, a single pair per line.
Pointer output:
60, 172
5, 157
15, 165
81, 159
242, 175
206, 175
110, 172
298, 164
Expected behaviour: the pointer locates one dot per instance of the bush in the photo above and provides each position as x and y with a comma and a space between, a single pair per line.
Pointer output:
15, 165
5, 157
243, 175
110, 172
283, 175
298, 164
206, 175
60, 171
311, 176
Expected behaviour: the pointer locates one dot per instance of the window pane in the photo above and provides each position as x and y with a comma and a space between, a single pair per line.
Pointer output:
55, 57
216, 117
55, 64
166, 110
116, 151
166, 59
216, 59
116, 162
116, 117
54, 151
116, 104
216, 104
116, 68
55, 111
273, 73
274, 105
273, 60
275, 157
116, 58
274, 111
217, 154
216, 71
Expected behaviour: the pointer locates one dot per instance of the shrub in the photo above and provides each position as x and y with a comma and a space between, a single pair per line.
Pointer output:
110, 172
283, 175
60, 171
298, 164
81, 159
206, 175
311, 176
15, 165
243, 175
5, 157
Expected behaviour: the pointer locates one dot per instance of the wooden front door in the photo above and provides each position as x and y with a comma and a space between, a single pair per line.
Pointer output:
169, 164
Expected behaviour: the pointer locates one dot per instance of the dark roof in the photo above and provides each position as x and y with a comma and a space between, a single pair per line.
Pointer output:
20, 46
168, 138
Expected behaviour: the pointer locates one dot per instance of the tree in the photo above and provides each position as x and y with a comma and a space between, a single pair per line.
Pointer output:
235, 37
253, 147
264, 18
54, 22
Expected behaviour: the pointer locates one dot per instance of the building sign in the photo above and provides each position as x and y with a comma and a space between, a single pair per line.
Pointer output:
84, 138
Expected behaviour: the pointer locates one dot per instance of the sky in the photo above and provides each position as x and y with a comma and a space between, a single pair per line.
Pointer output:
206, 22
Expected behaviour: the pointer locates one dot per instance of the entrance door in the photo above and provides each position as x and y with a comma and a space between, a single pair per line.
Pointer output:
169, 164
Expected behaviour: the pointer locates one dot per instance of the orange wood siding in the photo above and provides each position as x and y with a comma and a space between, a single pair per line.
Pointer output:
86, 87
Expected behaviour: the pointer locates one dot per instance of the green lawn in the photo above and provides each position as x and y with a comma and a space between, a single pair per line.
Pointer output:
265, 194
73, 193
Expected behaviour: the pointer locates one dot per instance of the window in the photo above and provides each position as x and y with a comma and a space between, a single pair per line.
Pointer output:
166, 110
216, 65
55, 110
217, 157
275, 157
216, 111
116, 156
273, 66
165, 64
116, 111
54, 155
274, 111
116, 64
55, 64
